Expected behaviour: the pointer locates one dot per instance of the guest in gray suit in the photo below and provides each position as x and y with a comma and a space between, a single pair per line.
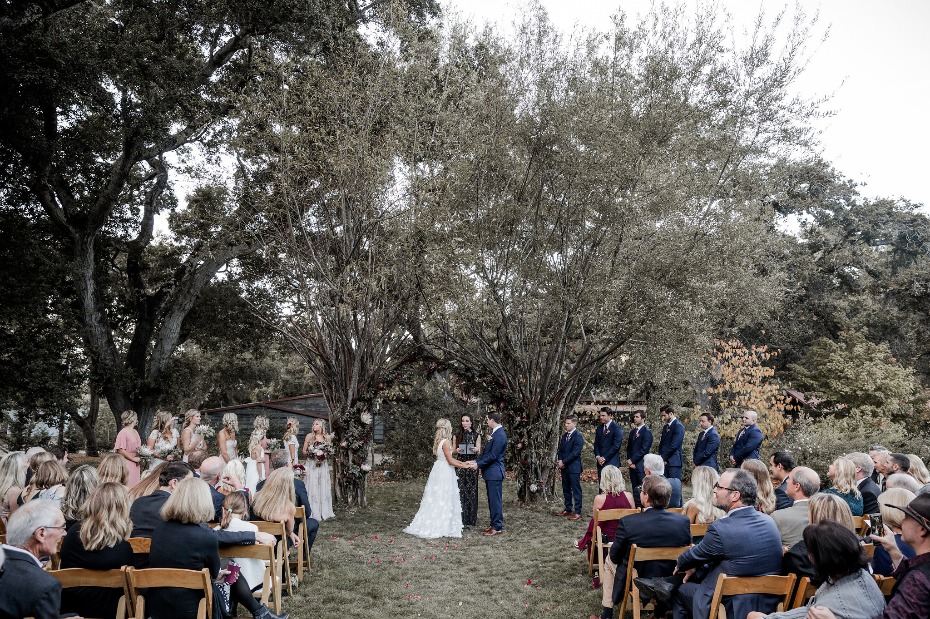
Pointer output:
744, 543
803, 483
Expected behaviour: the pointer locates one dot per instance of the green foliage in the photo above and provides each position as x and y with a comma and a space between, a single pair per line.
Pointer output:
855, 374
817, 441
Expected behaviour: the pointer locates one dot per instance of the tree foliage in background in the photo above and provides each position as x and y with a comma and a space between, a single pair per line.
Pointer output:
739, 378
102, 102
853, 374
596, 196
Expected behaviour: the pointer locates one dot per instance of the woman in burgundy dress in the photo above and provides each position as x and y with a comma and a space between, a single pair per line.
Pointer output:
615, 496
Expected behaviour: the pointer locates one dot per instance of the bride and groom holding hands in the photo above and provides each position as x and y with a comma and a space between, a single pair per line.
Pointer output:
440, 513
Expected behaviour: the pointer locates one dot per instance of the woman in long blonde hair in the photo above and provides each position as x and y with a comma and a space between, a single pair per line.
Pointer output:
318, 450
918, 469
765, 500
291, 444
80, 485
843, 474
226, 438
98, 542
700, 507
276, 501
113, 467
163, 437
440, 513
191, 441
255, 463
12, 481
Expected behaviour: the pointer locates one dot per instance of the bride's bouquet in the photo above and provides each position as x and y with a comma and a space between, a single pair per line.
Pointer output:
204, 430
169, 453
321, 451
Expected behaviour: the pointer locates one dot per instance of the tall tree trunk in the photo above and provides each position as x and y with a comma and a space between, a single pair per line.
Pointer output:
353, 425
88, 424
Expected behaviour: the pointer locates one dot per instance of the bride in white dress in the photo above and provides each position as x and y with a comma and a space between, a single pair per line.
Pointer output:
440, 513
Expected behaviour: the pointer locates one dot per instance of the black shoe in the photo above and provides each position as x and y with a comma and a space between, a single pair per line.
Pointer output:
265, 613
663, 588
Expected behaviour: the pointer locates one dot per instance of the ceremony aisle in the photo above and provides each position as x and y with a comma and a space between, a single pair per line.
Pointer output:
365, 567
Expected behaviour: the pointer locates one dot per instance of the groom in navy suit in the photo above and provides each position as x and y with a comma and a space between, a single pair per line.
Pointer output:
491, 463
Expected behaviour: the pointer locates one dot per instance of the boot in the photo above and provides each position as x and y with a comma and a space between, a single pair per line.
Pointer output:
265, 613
662, 588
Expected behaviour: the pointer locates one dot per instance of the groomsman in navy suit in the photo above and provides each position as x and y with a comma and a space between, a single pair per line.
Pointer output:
491, 463
637, 446
748, 440
673, 435
708, 442
608, 437
569, 463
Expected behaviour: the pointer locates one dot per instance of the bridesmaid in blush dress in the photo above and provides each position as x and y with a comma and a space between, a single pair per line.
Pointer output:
127, 442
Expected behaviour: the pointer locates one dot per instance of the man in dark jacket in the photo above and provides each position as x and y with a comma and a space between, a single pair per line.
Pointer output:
26, 589
653, 528
868, 488
673, 435
638, 445
569, 463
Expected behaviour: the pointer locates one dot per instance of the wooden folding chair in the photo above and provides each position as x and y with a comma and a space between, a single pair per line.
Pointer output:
270, 588
279, 530
303, 544
157, 577
675, 510
803, 592
140, 545
698, 530
738, 585
885, 583
637, 554
110, 579
597, 545
869, 551
862, 524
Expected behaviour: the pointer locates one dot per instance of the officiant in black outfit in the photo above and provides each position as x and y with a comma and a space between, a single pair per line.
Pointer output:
466, 444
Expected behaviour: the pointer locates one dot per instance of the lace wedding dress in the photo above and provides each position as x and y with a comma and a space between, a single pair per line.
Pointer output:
440, 513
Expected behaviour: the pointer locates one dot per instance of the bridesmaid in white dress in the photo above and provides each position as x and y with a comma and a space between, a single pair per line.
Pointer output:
291, 444
440, 513
255, 463
190, 440
163, 436
226, 438
317, 479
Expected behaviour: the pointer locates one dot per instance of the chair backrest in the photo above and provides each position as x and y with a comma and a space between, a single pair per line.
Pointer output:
862, 524
141, 545
698, 530
662, 553
110, 579
603, 515
869, 551
250, 551
804, 592
885, 583
278, 529
300, 513
167, 577
737, 585
675, 510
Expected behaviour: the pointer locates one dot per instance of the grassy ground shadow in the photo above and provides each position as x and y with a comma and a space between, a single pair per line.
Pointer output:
364, 566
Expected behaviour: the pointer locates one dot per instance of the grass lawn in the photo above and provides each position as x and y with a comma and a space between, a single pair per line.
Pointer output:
365, 566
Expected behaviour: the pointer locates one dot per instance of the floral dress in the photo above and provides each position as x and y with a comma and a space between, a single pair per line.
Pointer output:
319, 486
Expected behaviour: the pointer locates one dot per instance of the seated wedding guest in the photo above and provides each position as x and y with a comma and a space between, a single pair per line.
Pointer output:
843, 474
803, 483
890, 502
236, 518
113, 467
840, 563
183, 541
280, 459
654, 465
149, 483
765, 500
233, 477
867, 487
275, 502
918, 469
613, 497
26, 589
902, 480
80, 484
821, 507
36, 455
48, 483
12, 481
213, 471
145, 512
700, 508
98, 542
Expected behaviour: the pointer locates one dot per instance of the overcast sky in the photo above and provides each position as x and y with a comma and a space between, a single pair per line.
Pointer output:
876, 63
